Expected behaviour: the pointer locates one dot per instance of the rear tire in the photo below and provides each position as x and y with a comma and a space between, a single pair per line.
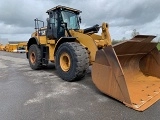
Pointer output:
34, 56
72, 61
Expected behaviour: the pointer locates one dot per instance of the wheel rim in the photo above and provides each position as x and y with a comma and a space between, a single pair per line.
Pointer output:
65, 62
32, 57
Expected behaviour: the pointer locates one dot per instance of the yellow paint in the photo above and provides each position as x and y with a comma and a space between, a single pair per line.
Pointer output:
51, 52
22, 44
65, 62
105, 34
12, 47
90, 41
2, 47
96, 37
50, 43
6, 47
42, 39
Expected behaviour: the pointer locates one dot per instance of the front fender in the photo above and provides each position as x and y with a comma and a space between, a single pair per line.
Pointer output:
62, 40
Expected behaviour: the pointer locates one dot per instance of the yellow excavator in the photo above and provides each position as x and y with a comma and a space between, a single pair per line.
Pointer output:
128, 71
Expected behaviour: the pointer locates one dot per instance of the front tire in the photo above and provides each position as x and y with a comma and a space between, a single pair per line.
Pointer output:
34, 56
72, 61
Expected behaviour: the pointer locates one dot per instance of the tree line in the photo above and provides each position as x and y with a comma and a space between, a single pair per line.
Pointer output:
133, 34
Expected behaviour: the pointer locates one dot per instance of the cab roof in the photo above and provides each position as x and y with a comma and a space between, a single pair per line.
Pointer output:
63, 8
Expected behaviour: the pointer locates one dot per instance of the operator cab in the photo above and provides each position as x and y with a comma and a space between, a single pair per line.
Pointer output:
62, 18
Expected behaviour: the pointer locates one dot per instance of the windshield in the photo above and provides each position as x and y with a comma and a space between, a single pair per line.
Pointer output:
71, 19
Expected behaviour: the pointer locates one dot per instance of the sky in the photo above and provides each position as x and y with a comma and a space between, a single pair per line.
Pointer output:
123, 16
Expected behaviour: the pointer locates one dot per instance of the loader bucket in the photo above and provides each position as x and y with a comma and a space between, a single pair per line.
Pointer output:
129, 72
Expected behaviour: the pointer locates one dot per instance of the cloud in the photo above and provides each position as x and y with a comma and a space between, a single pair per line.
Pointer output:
137, 13
17, 16
20, 12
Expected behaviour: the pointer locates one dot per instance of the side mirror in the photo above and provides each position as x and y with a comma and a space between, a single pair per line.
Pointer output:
80, 20
47, 19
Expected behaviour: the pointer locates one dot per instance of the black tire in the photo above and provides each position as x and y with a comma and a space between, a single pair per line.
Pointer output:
79, 61
34, 64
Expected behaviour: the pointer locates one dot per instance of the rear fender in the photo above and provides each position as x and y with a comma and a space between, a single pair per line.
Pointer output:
31, 41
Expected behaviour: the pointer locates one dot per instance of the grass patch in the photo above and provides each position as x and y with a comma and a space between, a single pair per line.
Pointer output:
158, 46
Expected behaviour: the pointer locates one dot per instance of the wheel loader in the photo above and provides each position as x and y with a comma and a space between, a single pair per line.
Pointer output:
128, 71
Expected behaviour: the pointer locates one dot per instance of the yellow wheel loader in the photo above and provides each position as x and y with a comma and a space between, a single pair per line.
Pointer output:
128, 71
